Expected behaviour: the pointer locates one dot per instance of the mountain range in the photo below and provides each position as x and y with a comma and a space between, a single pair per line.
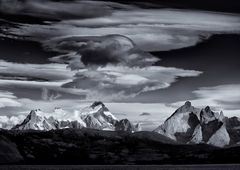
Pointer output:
192, 125
96, 116
189, 136
187, 125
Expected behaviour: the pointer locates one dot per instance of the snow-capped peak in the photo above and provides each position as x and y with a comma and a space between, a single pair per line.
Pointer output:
36, 112
98, 116
93, 108
36, 121
95, 116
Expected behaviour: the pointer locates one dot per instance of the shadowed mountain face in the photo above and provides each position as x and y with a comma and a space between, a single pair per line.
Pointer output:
86, 146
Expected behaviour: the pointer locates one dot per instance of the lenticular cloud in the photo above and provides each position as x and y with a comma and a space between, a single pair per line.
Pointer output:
99, 51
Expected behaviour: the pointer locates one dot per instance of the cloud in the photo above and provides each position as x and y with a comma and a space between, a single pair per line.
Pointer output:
159, 112
149, 29
7, 99
47, 78
38, 72
50, 95
99, 51
145, 114
226, 96
106, 68
104, 44
8, 122
119, 82
108, 52
223, 97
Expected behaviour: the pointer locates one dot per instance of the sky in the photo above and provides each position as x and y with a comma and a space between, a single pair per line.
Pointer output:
135, 58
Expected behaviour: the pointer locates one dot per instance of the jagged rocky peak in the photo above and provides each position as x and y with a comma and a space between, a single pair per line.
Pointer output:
96, 106
124, 125
220, 138
36, 121
182, 121
207, 109
187, 108
207, 115
97, 103
34, 115
188, 104
221, 117
191, 125
138, 127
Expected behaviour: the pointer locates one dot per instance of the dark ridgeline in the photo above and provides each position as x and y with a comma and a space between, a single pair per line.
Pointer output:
94, 147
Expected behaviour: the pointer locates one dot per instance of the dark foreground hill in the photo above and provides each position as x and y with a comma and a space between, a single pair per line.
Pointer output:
87, 146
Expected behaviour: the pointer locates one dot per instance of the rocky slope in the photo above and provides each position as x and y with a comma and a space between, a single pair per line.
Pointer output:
192, 125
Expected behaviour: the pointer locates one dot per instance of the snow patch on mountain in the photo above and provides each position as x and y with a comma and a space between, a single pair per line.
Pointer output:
98, 116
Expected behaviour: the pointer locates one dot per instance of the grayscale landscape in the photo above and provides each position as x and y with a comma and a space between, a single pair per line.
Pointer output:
119, 84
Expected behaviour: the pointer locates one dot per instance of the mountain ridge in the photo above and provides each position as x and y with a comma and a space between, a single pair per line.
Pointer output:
187, 125
97, 147
95, 116
193, 125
